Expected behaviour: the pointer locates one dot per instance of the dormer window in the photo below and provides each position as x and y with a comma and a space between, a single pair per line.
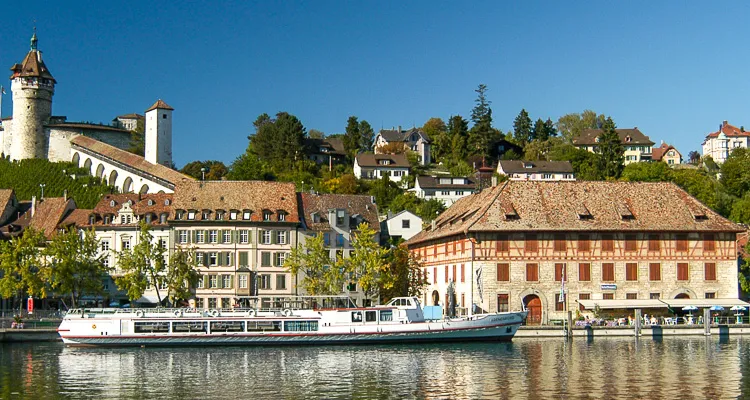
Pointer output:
206, 215
150, 202
246, 215
340, 215
112, 203
92, 219
315, 217
266, 215
106, 219
233, 214
163, 218
148, 218
191, 215
282, 216
384, 162
628, 139
166, 202
219, 215
178, 215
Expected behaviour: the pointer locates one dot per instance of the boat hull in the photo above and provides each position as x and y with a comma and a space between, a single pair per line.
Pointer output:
480, 329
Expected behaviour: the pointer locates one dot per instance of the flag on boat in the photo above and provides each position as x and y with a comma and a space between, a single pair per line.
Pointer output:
479, 284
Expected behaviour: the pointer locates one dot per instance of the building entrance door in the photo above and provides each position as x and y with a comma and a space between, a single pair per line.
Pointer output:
534, 306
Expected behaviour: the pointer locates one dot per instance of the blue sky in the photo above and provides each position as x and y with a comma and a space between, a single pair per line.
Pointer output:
674, 69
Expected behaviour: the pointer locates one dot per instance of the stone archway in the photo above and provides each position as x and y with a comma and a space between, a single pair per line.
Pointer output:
144, 189
126, 186
435, 298
112, 178
76, 159
682, 293
87, 165
100, 171
533, 304
682, 296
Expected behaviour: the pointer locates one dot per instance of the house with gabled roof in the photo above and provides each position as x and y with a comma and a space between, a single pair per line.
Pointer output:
517, 170
718, 145
618, 245
414, 139
637, 146
666, 153
376, 166
447, 189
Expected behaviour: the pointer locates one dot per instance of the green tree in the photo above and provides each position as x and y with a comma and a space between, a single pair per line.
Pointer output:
522, 130
249, 166
540, 150
142, 266
316, 134
570, 126
540, 131
319, 274
76, 268
181, 276
430, 209
735, 172
481, 134
20, 264
384, 190
365, 265
279, 142
352, 137
404, 275
585, 164
461, 168
366, 136
458, 131
213, 170
611, 151
694, 158
699, 185
741, 210
646, 172
437, 131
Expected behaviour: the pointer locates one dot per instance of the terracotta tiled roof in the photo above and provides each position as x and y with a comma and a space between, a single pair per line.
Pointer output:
517, 166
255, 196
353, 204
78, 218
372, 160
658, 152
729, 130
129, 159
111, 204
160, 105
83, 126
5, 196
49, 213
588, 137
433, 182
562, 206
32, 66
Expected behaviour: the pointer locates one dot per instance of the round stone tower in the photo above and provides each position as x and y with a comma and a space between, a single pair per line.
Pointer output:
33, 87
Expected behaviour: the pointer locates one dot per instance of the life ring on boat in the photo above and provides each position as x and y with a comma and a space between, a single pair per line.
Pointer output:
250, 313
139, 313
93, 326
177, 313
214, 313
287, 313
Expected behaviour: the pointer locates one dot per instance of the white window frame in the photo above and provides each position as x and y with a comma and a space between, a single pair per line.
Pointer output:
213, 236
242, 282
227, 237
266, 237
244, 236
213, 259
281, 237
105, 244
183, 236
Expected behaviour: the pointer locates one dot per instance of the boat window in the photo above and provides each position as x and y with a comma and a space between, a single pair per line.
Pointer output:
386, 315
371, 316
151, 327
300, 326
227, 326
189, 326
408, 303
356, 316
263, 326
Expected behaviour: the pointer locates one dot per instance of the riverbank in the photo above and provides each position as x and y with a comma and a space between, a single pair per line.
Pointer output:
524, 332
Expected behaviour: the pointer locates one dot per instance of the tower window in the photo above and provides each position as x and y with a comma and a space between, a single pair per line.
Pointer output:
164, 116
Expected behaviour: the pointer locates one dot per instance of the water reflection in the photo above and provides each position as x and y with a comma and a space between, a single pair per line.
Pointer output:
693, 368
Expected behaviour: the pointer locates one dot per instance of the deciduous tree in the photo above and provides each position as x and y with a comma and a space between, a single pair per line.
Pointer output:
311, 262
570, 126
142, 265
20, 264
458, 131
182, 275
365, 265
404, 273
75, 266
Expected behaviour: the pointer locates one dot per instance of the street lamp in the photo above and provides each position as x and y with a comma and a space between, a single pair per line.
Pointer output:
42, 185
203, 174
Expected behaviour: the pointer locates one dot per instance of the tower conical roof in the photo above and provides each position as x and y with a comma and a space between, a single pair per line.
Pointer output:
161, 105
32, 65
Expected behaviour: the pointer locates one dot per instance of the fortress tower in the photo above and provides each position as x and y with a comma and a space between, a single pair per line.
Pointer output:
158, 141
33, 87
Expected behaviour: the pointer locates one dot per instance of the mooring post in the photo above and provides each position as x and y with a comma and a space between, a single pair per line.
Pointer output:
569, 328
637, 322
707, 322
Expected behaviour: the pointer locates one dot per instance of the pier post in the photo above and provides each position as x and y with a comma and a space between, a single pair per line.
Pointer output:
707, 322
569, 328
637, 322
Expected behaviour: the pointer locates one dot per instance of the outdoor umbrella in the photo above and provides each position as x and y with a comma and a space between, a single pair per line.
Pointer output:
738, 308
716, 308
689, 308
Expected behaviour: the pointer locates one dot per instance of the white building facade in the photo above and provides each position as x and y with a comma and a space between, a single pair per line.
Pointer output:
718, 145
517, 170
447, 189
376, 166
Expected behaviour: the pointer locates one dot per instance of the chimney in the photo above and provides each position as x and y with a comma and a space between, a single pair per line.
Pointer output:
725, 123
399, 129
433, 224
65, 195
33, 205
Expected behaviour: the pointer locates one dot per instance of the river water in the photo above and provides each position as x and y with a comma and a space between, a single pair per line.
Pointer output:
607, 368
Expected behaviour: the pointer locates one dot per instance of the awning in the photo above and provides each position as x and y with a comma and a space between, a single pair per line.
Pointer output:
705, 303
148, 299
622, 303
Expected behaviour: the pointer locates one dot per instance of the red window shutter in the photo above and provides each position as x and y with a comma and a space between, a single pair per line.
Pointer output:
654, 271
710, 271
583, 243
631, 272
654, 243
560, 243
434, 275
631, 243
682, 243
531, 244
584, 272
503, 272
682, 271
709, 242
532, 272
446, 274
462, 273
608, 272
454, 274
559, 268
608, 243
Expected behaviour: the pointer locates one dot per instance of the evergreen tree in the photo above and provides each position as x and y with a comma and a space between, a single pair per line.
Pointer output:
366, 136
458, 132
280, 141
540, 131
611, 151
352, 137
522, 131
481, 134
550, 127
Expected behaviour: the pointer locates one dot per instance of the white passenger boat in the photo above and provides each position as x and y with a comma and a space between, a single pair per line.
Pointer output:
402, 320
